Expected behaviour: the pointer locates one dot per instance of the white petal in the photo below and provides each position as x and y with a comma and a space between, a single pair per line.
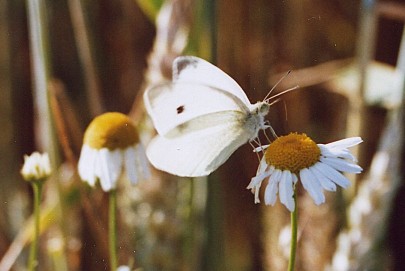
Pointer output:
286, 190
36, 166
345, 143
87, 165
260, 148
282, 190
110, 168
312, 185
326, 182
130, 165
333, 175
276, 176
337, 153
341, 165
262, 166
258, 179
256, 183
294, 178
256, 191
270, 194
143, 160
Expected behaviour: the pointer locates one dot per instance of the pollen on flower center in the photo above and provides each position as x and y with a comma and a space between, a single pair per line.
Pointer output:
292, 152
111, 130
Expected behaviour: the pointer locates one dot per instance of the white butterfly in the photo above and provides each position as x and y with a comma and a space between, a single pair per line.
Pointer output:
201, 118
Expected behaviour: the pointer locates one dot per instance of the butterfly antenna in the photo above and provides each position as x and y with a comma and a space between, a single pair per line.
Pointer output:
278, 82
281, 93
274, 102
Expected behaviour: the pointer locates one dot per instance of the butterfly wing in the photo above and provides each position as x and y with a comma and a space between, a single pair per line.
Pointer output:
201, 118
199, 146
171, 105
199, 71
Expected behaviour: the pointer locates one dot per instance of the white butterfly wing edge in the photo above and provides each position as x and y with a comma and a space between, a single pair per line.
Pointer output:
196, 70
199, 151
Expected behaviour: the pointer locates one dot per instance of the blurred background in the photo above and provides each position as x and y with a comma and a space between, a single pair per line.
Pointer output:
64, 62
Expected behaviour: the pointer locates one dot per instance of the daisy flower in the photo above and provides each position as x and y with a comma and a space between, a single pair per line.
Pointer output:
36, 167
111, 144
297, 157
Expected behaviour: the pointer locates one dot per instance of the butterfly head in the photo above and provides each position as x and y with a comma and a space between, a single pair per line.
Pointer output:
261, 108
264, 108
255, 121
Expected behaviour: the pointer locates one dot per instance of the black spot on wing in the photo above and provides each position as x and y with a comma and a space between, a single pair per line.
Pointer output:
180, 109
186, 62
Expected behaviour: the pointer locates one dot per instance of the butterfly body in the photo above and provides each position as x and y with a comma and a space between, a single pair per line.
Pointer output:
255, 120
201, 118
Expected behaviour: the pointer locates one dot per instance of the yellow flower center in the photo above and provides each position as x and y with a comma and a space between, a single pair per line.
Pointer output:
111, 130
292, 152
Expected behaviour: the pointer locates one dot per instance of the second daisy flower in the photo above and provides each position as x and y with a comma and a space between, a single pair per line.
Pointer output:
111, 144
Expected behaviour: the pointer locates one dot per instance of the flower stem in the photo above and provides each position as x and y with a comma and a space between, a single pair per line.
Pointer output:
112, 229
294, 227
33, 257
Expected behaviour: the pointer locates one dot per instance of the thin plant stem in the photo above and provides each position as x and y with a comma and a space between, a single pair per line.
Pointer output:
294, 228
112, 229
40, 53
33, 257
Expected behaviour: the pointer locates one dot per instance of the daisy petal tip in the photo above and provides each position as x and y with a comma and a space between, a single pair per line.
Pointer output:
269, 203
347, 184
291, 208
320, 201
250, 185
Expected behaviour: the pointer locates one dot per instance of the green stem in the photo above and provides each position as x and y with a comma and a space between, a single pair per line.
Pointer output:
294, 227
112, 229
33, 257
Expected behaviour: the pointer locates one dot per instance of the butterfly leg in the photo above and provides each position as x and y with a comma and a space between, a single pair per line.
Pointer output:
268, 126
255, 148
265, 134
